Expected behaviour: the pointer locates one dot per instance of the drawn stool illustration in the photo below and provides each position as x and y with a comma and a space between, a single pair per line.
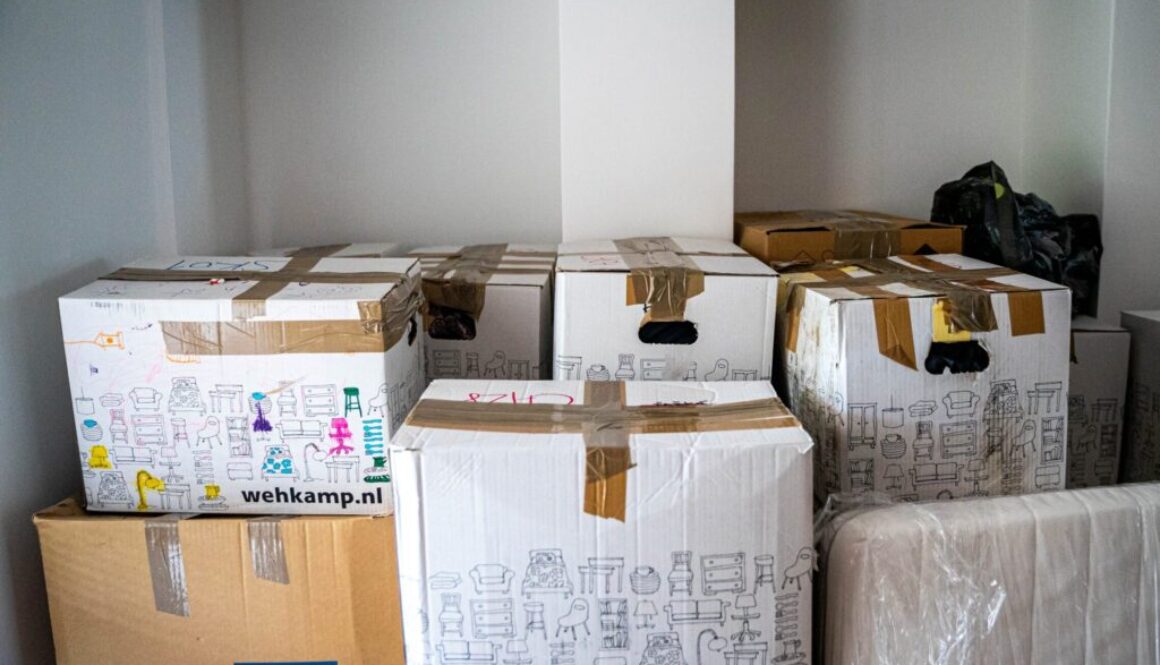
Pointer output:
351, 402
764, 573
535, 614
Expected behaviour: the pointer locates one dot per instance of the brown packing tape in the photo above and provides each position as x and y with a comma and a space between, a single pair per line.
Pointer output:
381, 324
606, 424
659, 278
460, 280
967, 293
866, 238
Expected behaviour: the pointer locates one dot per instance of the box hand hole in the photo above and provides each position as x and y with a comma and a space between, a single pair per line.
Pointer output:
958, 357
449, 323
668, 332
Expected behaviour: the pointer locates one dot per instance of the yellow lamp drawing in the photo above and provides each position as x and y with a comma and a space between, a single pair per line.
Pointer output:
212, 491
146, 481
99, 458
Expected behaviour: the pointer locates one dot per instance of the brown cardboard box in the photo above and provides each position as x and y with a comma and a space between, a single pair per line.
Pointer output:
264, 590
811, 236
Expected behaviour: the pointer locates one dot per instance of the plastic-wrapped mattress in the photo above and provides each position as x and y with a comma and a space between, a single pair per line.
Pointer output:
1065, 577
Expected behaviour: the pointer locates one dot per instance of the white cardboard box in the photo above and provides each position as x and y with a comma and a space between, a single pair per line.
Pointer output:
272, 394
358, 250
1095, 402
503, 546
602, 288
857, 355
510, 335
1141, 457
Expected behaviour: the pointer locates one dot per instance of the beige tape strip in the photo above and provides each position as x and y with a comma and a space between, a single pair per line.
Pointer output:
659, 277
167, 565
267, 552
320, 250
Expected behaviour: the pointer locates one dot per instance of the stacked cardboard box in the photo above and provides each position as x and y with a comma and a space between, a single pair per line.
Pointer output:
663, 309
357, 250
1141, 459
604, 522
489, 311
243, 384
1095, 402
929, 377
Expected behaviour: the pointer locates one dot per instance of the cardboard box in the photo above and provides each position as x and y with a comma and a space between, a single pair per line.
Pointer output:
357, 250
1060, 577
929, 377
814, 236
1095, 402
663, 309
489, 311
572, 521
220, 590
1141, 456
243, 385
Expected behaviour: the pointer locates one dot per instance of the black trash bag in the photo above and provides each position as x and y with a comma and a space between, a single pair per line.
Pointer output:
1023, 232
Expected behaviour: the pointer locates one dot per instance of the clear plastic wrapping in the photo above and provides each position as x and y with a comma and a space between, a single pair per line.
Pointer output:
1063, 577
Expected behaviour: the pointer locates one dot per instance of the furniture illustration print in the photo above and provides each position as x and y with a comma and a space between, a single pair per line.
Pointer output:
681, 577
959, 439
680, 612
226, 398
184, 395
319, 401
519, 370
1052, 440
576, 617
653, 369
924, 440
491, 578
748, 653
149, 430
746, 603
351, 402
466, 652
569, 367
613, 623
723, 573
861, 474
805, 565
626, 371
932, 473
604, 568
1045, 398
1048, 476
546, 573
145, 399
1105, 410
451, 616
663, 649
645, 580
961, 403
492, 617
562, 653
763, 573
862, 425
535, 622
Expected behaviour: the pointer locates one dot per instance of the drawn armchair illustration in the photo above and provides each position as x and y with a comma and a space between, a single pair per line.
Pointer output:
145, 399
466, 651
491, 578
960, 403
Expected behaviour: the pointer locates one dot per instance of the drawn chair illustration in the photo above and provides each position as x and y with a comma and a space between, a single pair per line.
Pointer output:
466, 651
696, 611
491, 578
960, 403
451, 616
575, 618
146, 399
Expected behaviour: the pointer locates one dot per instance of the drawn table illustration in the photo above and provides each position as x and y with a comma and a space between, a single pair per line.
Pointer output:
605, 569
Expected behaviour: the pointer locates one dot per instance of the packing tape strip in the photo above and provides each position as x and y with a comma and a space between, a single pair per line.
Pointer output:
166, 564
267, 552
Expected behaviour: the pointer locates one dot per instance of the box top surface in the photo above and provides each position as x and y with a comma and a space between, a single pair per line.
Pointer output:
340, 280
709, 255
363, 250
1149, 315
70, 510
509, 265
784, 221
910, 276
677, 412
1092, 324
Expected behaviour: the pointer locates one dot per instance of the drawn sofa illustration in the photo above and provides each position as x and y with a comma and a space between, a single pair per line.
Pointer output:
931, 473
695, 611
492, 578
466, 651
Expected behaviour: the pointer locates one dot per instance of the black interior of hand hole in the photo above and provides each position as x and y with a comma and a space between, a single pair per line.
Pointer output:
958, 357
668, 332
448, 323
412, 331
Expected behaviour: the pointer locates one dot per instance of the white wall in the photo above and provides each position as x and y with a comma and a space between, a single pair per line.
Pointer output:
849, 103
77, 197
417, 122
204, 102
1131, 194
646, 117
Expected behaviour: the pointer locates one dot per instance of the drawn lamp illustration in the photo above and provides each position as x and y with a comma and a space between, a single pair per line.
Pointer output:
716, 642
147, 481
645, 611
